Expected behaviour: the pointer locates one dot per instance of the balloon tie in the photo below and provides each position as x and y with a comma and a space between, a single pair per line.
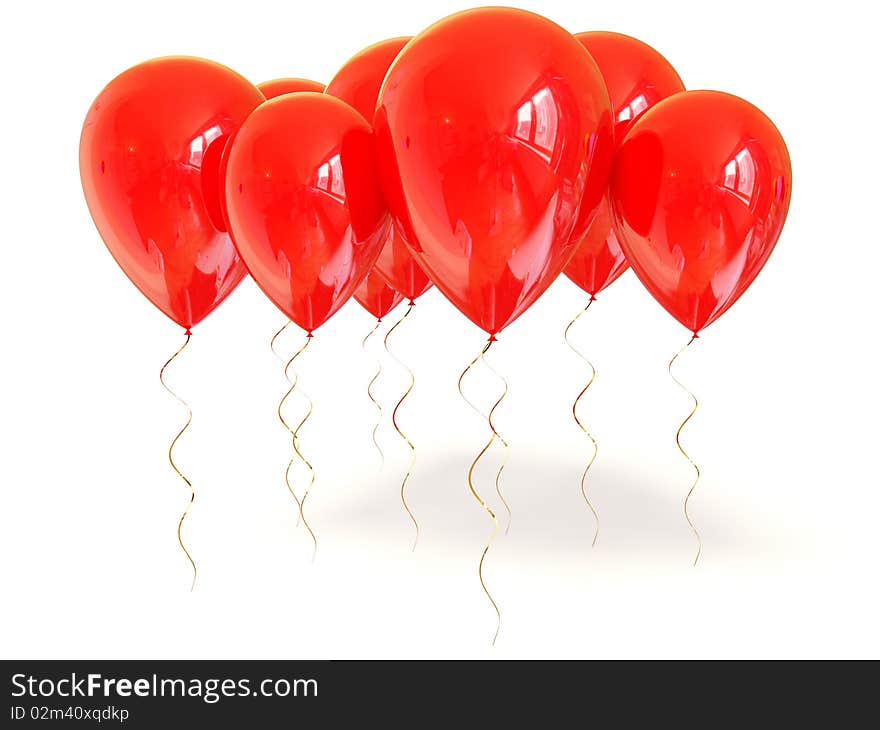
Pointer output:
574, 412
684, 453
294, 437
370, 395
192, 492
412, 382
470, 479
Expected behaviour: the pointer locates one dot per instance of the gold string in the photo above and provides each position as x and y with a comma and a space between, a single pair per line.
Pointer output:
294, 437
192, 492
578, 420
412, 382
375, 402
302, 506
476, 495
685, 453
284, 423
501, 439
275, 337
488, 418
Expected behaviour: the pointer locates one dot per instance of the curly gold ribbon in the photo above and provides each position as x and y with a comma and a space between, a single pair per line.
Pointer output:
373, 399
192, 493
501, 439
281, 414
470, 478
294, 436
488, 418
296, 448
412, 382
275, 337
685, 453
578, 420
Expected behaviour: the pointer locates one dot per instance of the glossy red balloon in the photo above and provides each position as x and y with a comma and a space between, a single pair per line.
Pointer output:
149, 161
269, 89
277, 87
700, 190
305, 206
357, 83
599, 259
398, 267
635, 74
494, 134
376, 296
637, 77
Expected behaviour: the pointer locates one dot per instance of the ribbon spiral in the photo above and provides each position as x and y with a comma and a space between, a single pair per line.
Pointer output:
192, 493
372, 397
412, 462
685, 453
577, 420
294, 437
470, 477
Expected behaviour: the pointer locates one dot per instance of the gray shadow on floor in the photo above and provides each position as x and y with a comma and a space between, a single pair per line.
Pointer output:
641, 514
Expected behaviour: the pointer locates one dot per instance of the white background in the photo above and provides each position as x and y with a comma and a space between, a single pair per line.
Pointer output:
786, 434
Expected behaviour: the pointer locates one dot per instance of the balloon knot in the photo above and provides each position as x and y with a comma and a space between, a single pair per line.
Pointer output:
187, 333
310, 335
696, 336
492, 338
592, 297
412, 302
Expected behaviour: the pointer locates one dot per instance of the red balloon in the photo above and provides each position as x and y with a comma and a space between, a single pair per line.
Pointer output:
277, 87
700, 190
305, 206
494, 134
398, 267
357, 83
269, 89
598, 260
149, 162
376, 296
637, 77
